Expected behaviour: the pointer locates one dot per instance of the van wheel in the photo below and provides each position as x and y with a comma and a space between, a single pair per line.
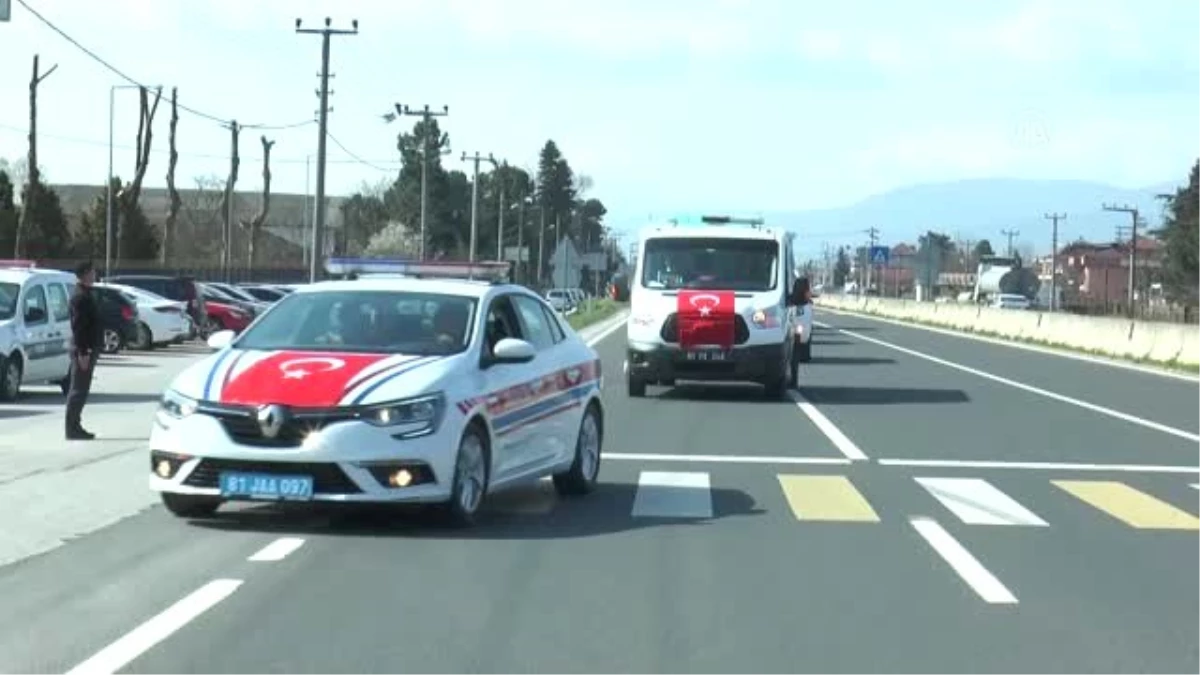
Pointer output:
10, 377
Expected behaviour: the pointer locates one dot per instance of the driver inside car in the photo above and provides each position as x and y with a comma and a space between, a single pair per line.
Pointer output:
449, 324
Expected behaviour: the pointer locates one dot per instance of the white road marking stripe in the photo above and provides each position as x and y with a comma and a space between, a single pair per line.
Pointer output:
723, 459
978, 502
1196, 486
1048, 466
277, 550
666, 494
595, 339
966, 565
138, 641
835, 435
1126, 417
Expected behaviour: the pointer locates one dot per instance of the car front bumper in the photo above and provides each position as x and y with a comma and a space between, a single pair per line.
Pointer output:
652, 362
348, 461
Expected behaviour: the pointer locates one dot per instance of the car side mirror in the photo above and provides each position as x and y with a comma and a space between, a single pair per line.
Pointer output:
35, 315
512, 350
221, 339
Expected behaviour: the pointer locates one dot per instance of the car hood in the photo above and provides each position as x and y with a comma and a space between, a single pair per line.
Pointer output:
308, 379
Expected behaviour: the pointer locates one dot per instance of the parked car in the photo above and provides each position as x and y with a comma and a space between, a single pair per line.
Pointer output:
264, 293
118, 318
160, 321
213, 294
222, 316
181, 288
239, 293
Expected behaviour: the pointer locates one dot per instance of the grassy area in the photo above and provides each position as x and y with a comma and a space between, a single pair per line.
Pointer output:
1176, 366
593, 311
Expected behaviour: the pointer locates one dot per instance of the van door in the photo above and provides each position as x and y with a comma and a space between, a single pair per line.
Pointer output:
59, 354
39, 335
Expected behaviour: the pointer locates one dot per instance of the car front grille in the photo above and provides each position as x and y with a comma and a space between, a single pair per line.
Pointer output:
242, 426
328, 478
670, 329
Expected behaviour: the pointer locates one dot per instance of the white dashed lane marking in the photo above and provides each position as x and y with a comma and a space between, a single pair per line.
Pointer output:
277, 550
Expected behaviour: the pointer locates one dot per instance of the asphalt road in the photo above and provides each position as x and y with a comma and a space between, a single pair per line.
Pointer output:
900, 515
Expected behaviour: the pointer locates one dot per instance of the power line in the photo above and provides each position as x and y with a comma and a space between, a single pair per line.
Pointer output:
121, 74
353, 156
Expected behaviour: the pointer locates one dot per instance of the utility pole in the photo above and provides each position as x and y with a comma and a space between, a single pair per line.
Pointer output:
476, 158
443, 142
1011, 234
1133, 241
33, 178
318, 249
498, 169
873, 234
1054, 217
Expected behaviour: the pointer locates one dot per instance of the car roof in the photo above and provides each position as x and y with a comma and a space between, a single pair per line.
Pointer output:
712, 232
16, 275
461, 287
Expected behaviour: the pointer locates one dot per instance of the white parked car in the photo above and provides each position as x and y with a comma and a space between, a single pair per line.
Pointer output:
383, 390
160, 321
560, 299
35, 326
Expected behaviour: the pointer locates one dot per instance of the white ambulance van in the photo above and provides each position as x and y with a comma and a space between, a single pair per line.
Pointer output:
714, 299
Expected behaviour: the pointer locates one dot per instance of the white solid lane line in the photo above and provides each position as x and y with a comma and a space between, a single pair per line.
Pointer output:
1046, 466
277, 550
835, 435
977, 502
723, 459
666, 494
1126, 417
983, 582
138, 641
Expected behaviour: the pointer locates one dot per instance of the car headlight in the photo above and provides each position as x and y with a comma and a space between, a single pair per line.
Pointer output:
766, 318
174, 406
411, 417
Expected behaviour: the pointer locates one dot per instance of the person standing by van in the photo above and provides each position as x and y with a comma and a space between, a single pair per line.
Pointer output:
85, 345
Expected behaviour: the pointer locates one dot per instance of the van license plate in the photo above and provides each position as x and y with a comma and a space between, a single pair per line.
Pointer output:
708, 355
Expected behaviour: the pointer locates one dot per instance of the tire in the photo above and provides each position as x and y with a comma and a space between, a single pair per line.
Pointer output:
775, 389
580, 479
470, 480
11, 372
190, 506
145, 339
112, 341
636, 387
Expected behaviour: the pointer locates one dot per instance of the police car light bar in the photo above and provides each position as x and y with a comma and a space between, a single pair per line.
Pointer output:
491, 271
18, 264
716, 220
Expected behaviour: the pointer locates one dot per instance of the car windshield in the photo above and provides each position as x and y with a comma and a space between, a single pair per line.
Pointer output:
365, 321
714, 263
8, 300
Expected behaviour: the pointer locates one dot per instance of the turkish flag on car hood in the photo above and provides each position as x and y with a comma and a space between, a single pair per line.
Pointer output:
706, 318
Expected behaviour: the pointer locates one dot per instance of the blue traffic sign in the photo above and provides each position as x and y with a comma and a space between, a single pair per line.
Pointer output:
880, 255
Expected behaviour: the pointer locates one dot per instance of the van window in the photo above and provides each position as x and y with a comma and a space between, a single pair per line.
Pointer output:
35, 297
712, 263
8, 300
59, 304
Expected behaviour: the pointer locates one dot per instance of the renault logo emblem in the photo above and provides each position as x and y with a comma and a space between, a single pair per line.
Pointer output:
270, 419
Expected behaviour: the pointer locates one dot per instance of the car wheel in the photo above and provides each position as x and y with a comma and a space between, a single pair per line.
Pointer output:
636, 387
470, 481
580, 479
112, 341
10, 378
145, 339
190, 506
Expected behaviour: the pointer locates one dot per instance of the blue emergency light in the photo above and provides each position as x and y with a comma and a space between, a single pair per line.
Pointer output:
443, 269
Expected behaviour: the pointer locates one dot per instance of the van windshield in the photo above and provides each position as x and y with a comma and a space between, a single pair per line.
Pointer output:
8, 300
715, 263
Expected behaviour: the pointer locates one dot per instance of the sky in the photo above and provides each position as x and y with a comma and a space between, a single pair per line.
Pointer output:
668, 105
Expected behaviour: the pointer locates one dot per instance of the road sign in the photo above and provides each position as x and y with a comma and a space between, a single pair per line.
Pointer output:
880, 255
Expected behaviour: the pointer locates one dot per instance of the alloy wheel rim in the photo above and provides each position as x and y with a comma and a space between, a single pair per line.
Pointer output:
470, 474
589, 447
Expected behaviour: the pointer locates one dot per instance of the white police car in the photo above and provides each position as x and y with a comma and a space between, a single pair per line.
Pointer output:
403, 389
715, 299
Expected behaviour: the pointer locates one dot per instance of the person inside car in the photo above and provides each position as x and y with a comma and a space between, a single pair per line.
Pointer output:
449, 325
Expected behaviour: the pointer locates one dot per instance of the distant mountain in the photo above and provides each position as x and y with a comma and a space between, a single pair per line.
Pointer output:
978, 209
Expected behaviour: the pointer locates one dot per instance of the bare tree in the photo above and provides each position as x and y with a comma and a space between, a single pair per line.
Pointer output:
129, 196
255, 225
175, 203
33, 179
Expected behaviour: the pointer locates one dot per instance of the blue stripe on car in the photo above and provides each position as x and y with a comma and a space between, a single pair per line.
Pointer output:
405, 368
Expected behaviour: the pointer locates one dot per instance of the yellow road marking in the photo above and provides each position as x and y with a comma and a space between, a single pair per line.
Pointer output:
829, 498
1132, 506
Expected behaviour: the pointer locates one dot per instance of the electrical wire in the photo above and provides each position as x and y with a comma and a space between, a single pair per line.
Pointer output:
352, 155
121, 74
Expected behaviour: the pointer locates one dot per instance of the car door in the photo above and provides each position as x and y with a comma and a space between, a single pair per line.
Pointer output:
59, 353
38, 334
506, 391
550, 398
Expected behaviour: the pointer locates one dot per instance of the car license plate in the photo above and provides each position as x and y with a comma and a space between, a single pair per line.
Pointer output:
266, 486
708, 355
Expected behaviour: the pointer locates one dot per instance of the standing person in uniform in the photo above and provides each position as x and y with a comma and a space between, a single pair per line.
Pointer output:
85, 345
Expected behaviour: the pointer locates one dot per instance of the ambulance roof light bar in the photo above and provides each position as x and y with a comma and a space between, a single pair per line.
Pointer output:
495, 272
18, 264
716, 220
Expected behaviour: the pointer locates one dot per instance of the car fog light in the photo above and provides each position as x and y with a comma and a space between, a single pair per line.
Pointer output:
163, 469
401, 478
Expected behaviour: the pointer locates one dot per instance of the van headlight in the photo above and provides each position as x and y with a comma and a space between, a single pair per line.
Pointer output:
410, 417
766, 318
174, 406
